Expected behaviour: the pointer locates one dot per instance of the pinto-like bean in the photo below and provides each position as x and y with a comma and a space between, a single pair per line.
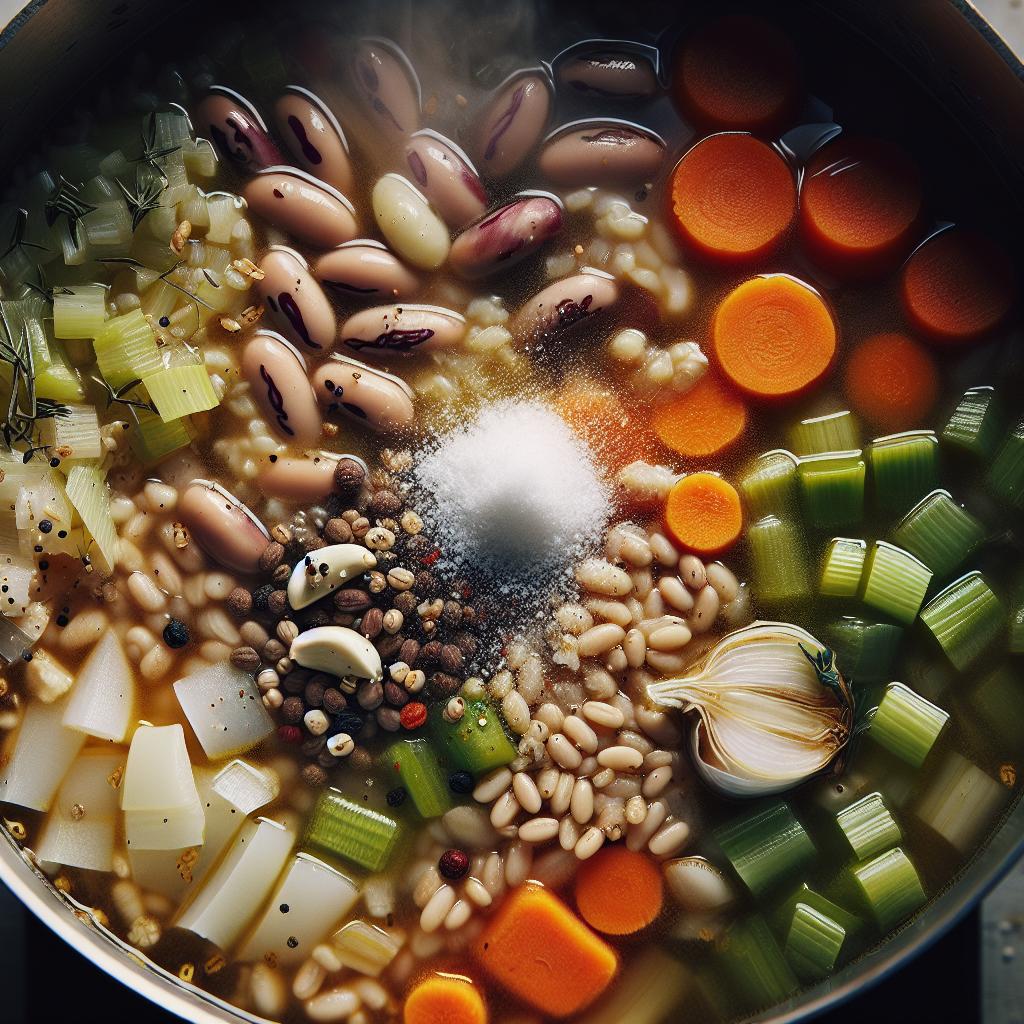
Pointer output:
560, 306
297, 203
602, 153
446, 177
306, 479
506, 236
222, 526
513, 122
235, 127
294, 299
624, 72
370, 396
386, 83
399, 330
407, 221
365, 269
276, 373
314, 137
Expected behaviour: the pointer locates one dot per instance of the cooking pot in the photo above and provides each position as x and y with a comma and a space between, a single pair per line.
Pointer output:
49, 47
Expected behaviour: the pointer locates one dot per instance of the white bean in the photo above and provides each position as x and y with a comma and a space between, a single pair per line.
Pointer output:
636, 810
492, 785
526, 792
615, 660
547, 780
580, 733
516, 712
666, 664
436, 910
217, 585
551, 715
669, 638
530, 679
573, 619
635, 648
145, 593
518, 861
662, 549
156, 662
268, 990
538, 830
562, 794
308, 980
599, 639
83, 630
562, 752
461, 912
477, 892
692, 571
493, 876
600, 577
654, 784
581, 804
600, 713
621, 758
643, 582
555, 867
599, 683
373, 994
638, 836
636, 551
408, 223
705, 610
674, 591
616, 612
568, 833
336, 1004
504, 811
589, 843
605, 777
670, 839
723, 580
654, 604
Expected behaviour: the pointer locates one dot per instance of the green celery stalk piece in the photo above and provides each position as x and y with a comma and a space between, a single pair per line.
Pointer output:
419, 768
476, 742
346, 829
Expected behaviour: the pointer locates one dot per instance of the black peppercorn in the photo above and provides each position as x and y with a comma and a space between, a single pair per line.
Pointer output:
396, 797
260, 597
460, 782
176, 634
347, 721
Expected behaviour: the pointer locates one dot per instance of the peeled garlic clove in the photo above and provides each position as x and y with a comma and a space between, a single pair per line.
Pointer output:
323, 571
338, 651
697, 885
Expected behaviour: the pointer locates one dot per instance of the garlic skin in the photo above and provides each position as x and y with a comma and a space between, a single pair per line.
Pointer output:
770, 709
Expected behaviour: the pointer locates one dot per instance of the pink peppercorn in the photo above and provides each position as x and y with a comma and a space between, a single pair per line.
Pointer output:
453, 864
289, 734
413, 715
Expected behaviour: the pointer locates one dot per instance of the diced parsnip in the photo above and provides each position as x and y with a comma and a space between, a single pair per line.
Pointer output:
224, 708
648, 989
103, 699
233, 894
15, 586
364, 947
87, 491
43, 752
79, 830
46, 678
310, 901
44, 498
961, 802
162, 809
79, 312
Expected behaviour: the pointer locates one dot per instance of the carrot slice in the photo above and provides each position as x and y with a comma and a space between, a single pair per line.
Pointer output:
774, 337
618, 892
445, 999
703, 514
958, 286
738, 72
892, 382
538, 949
706, 420
860, 205
597, 415
733, 197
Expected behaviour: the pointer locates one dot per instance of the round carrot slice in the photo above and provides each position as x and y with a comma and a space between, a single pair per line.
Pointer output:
738, 72
892, 382
958, 286
703, 514
445, 999
619, 892
774, 336
733, 197
703, 421
860, 205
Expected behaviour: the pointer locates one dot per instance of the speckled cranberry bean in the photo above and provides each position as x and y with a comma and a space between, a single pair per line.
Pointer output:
276, 373
235, 127
365, 269
512, 123
386, 83
222, 526
398, 330
560, 306
297, 203
313, 136
295, 301
601, 153
379, 400
447, 178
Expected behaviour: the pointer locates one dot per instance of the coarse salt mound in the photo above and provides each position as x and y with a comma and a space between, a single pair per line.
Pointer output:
513, 492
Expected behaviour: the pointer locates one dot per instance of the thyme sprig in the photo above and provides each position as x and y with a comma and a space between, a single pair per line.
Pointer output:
66, 200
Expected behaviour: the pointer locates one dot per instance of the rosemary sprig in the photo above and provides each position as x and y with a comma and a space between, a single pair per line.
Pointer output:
118, 395
165, 276
150, 152
18, 234
45, 290
144, 199
67, 201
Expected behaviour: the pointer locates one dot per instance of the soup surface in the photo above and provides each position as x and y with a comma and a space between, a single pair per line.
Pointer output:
505, 517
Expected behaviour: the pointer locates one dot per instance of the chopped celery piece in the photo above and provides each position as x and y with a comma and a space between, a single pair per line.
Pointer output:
200, 159
999, 703
162, 809
232, 895
317, 896
224, 212
1006, 474
181, 390
79, 312
44, 749
364, 947
767, 848
420, 770
126, 349
153, 439
895, 582
170, 128
939, 532
76, 435
904, 468
809, 897
348, 830
477, 741
87, 491
103, 699
961, 802
966, 618
836, 432
109, 226
832, 488
79, 840
906, 724
868, 826
223, 705
770, 485
844, 565
813, 943
779, 561
976, 424
749, 972
890, 886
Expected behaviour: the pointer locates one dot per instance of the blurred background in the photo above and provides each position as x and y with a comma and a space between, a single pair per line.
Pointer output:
975, 973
